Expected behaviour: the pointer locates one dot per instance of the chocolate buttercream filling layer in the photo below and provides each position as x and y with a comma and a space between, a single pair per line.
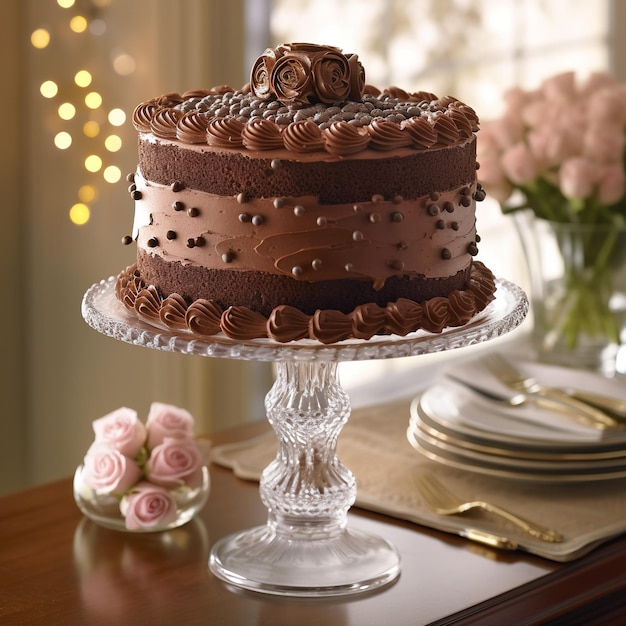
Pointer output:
205, 317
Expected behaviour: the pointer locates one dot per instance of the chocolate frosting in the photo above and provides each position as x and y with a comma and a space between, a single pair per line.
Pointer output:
204, 318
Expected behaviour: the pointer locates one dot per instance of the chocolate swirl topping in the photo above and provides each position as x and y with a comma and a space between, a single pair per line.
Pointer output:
297, 95
302, 73
204, 318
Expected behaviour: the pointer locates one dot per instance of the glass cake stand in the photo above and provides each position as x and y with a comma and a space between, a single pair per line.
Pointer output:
306, 547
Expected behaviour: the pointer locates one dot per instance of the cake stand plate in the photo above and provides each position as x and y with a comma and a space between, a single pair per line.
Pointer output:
306, 547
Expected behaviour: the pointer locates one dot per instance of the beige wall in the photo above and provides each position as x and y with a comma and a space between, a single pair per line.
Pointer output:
57, 373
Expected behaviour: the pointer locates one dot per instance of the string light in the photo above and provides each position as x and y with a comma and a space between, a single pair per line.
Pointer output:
63, 140
40, 38
112, 174
67, 111
113, 143
91, 129
78, 112
80, 214
93, 163
116, 117
49, 89
82, 78
93, 100
78, 24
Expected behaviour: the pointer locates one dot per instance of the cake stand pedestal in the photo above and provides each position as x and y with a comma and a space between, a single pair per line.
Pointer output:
306, 547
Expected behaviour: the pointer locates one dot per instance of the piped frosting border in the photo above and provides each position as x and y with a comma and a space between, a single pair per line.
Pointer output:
205, 318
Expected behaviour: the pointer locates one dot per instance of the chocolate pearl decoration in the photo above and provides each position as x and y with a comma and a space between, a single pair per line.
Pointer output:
130, 177
454, 226
397, 199
228, 257
397, 217
348, 267
178, 206
433, 209
448, 207
171, 235
440, 225
374, 218
446, 254
132, 188
136, 195
242, 197
403, 245
127, 240
465, 201
275, 164
299, 210
434, 196
200, 241
357, 235
316, 264
297, 270
193, 211
245, 217
153, 242
177, 186
322, 221
480, 194
472, 248
279, 203
257, 220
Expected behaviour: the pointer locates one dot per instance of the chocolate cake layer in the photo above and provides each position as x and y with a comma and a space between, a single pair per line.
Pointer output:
263, 292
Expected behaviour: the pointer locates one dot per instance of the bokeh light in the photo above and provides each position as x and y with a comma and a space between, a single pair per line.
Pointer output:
113, 143
123, 64
91, 129
66, 4
63, 140
49, 89
93, 100
78, 24
93, 163
40, 38
80, 214
117, 117
87, 193
112, 174
82, 78
67, 111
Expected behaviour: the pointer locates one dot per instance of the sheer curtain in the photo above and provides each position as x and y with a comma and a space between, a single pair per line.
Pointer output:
58, 374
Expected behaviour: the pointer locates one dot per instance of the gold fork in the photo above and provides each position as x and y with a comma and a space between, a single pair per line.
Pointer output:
507, 374
443, 502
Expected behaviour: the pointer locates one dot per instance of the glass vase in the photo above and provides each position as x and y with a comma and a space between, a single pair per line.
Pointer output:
577, 276
104, 509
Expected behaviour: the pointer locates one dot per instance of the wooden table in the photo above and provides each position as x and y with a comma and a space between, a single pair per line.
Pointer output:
57, 567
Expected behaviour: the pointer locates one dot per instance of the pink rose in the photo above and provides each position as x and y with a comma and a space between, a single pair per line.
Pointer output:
519, 164
121, 430
175, 462
595, 82
577, 178
603, 144
561, 87
608, 105
612, 185
106, 470
551, 145
165, 420
506, 131
146, 506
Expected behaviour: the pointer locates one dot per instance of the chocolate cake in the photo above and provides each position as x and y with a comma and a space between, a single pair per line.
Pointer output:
305, 205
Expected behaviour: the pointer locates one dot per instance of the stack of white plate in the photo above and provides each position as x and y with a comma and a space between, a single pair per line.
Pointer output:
456, 427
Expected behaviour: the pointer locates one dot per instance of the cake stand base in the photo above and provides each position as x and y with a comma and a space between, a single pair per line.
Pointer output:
259, 559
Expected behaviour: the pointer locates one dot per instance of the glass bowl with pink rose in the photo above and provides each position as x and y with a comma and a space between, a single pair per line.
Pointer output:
138, 477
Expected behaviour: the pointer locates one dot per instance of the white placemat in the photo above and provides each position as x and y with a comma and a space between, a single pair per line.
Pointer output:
373, 445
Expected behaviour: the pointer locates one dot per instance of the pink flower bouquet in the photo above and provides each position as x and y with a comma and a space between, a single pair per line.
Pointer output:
558, 154
154, 473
